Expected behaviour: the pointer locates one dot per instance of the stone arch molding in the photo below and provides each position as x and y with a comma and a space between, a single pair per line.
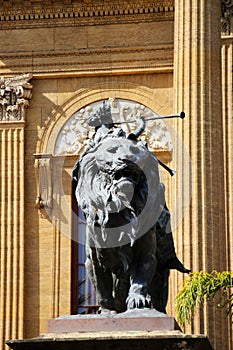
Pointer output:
66, 131
75, 133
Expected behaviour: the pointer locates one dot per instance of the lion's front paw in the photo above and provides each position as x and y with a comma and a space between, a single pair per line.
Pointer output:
138, 298
104, 311
137, 301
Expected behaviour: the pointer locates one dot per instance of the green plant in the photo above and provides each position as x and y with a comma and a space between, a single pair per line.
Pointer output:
200, 286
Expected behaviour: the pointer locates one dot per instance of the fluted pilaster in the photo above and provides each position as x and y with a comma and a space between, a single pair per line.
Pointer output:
197, 82
12, 230
13, 101
227, 61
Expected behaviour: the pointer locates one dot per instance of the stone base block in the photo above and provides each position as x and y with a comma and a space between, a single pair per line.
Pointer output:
131, 340
132, 330
132, 320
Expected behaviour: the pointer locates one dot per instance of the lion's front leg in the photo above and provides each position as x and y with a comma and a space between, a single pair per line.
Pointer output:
102, 281
142, 271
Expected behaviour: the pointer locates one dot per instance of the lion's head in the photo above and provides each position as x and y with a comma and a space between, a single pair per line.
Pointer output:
119, 191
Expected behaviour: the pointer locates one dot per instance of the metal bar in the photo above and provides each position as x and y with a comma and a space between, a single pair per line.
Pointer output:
181, 115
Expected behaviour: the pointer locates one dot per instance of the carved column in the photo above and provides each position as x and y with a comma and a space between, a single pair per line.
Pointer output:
15, 94
227, 63
197, 83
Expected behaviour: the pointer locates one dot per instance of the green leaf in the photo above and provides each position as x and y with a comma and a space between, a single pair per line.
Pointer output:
200, 286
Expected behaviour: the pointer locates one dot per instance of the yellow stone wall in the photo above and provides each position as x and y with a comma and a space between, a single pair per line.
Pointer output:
78, 53
47, 256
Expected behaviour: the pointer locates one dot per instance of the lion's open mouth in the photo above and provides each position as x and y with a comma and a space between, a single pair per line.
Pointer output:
129, 173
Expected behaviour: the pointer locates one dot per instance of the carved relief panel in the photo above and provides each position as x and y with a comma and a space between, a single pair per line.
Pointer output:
75, 132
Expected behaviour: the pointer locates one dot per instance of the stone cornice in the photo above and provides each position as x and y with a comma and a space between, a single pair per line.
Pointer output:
28, 14
90, 61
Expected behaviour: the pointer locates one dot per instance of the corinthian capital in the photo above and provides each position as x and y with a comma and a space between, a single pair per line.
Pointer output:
227, 12
15, 94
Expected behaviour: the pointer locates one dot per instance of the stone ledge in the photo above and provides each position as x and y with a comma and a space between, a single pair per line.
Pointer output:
131, 340
137, 329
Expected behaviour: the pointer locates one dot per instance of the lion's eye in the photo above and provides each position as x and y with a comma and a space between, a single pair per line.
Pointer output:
113, 149
134, 150
118, 175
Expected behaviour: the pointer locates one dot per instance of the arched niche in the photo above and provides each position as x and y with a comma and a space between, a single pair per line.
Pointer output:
75, 132
85, 98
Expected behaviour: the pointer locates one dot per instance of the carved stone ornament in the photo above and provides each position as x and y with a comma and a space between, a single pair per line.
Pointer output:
36, 13
75, 133
15, 94
44, 182
227, 14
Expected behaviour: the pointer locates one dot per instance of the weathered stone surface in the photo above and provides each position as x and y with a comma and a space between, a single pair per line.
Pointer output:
131, 320
174, 340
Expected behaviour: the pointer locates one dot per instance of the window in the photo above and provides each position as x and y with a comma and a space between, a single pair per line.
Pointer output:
83, 296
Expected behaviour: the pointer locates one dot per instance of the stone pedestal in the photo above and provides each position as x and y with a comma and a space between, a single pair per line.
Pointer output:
140, 329
132, 320
155, 340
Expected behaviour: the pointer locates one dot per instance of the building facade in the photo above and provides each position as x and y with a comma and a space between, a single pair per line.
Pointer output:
58, 60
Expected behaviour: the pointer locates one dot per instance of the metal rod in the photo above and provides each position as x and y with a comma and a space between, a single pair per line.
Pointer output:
171, 172
181, 115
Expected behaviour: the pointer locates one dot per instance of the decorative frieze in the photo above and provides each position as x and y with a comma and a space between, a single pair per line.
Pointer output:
30, 13
15, 94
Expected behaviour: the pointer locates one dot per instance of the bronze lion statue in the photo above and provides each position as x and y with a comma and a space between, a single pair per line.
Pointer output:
130, 249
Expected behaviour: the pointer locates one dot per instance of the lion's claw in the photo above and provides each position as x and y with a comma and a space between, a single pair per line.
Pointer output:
138, 298
138, 301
